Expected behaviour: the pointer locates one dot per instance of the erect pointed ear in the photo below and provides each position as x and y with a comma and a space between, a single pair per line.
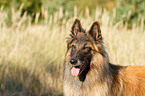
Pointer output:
76, 27
95, 31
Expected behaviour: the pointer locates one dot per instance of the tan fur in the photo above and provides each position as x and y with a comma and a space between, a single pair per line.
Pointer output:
104, 78
129, 81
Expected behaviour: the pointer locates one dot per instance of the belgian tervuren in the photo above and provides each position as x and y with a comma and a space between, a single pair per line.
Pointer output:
88, 72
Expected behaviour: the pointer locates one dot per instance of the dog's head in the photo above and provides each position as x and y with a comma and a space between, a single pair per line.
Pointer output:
81, 47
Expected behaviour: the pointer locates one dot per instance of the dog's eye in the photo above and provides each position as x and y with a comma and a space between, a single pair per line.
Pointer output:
86, 49
73, 46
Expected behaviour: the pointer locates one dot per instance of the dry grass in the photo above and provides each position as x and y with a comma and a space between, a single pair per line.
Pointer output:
32, 57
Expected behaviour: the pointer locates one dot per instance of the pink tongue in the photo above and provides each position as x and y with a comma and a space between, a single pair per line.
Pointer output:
75, 71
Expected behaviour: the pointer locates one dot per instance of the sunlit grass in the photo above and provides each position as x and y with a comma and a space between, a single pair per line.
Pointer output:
32, 57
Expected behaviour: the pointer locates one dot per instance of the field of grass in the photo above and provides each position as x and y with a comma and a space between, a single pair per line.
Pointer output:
32, 55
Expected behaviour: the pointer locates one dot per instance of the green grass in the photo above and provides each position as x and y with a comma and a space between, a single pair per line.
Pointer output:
32, 57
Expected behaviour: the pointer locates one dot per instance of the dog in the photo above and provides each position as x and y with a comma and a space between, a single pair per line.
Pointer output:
88, 72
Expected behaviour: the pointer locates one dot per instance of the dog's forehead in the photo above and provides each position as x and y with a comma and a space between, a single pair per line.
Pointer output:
82, 37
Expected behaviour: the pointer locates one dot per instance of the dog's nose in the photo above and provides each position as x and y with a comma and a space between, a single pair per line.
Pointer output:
73, 61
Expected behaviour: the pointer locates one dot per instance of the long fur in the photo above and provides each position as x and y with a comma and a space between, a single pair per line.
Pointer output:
103, 78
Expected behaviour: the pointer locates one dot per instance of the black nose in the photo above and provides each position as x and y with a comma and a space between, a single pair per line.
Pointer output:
73, 61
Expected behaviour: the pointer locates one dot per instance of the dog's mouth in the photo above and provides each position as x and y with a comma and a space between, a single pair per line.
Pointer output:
78, 69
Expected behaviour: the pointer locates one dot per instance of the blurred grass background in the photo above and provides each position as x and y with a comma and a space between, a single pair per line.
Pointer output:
33, 39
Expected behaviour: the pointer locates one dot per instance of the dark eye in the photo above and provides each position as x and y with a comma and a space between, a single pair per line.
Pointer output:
73, 46
87, 49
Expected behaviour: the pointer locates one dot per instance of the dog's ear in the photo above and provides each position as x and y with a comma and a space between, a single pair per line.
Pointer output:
95, 31
76, 27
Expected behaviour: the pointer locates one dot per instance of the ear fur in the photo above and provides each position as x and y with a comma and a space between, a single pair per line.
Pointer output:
95, 31
76, 27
